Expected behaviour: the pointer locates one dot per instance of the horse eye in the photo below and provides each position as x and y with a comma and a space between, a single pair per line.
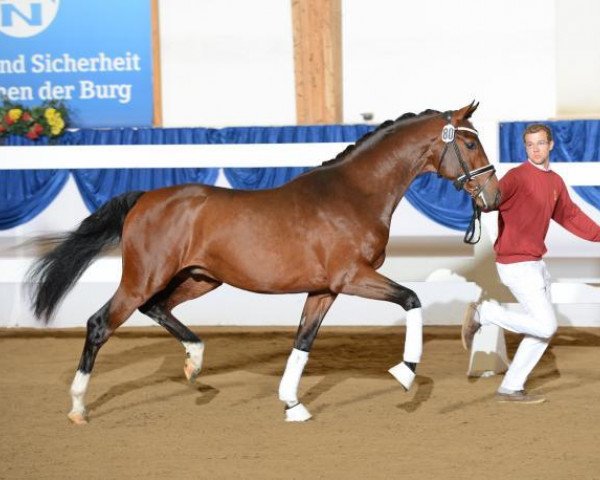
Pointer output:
471, 145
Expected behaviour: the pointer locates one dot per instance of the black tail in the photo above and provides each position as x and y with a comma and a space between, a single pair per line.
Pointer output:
52, 276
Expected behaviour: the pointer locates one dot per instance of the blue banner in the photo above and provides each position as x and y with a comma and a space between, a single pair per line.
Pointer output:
93, 55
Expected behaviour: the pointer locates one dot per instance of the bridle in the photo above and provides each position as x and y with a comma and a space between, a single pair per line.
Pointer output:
449, 138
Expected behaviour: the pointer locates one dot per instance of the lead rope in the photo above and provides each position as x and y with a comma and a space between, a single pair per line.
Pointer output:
475, 219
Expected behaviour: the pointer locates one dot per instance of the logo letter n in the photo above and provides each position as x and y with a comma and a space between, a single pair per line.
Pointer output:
7, 12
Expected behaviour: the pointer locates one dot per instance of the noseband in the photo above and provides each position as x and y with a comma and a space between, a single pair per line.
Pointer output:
449, 138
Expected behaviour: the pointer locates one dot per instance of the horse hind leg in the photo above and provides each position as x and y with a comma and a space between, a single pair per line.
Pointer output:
194, 346
315, 309
96, 336
100, 326
158, 308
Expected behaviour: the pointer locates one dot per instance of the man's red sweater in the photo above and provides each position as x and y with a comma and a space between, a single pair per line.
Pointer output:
530, 198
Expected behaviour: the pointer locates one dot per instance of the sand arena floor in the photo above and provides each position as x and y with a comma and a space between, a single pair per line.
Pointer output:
147, 422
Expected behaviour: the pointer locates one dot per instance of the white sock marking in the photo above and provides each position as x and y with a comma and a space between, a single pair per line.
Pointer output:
78, 389
195, 352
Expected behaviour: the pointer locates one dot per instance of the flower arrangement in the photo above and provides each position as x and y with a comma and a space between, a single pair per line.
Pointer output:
50, 119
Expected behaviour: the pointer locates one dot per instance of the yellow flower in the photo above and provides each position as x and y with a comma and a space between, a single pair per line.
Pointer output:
14, 114
57, 126
55, 121
55, 117
50, 113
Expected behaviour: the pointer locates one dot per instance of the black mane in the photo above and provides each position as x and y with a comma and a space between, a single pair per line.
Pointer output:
340, 156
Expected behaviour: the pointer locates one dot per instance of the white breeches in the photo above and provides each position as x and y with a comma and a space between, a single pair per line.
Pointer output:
529, 282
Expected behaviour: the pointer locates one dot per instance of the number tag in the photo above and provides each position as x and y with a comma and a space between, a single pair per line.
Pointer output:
448, 133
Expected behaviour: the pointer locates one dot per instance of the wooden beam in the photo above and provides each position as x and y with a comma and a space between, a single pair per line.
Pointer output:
156, 72
317, 26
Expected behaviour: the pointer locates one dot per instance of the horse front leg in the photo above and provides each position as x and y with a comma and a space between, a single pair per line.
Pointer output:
315, 308
367, 283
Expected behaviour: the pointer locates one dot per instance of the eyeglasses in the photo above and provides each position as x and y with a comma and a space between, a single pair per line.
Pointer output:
540, 144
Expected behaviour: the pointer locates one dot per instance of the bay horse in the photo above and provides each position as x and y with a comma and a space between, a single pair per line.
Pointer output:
324, 233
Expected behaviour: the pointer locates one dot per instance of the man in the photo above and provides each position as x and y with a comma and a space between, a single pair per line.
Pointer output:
532, 194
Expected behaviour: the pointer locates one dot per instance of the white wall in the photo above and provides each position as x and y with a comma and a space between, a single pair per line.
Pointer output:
578, 58
230, 62
227, 62
407, 56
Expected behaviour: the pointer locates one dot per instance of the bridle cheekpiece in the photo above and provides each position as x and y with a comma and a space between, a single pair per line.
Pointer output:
449, 138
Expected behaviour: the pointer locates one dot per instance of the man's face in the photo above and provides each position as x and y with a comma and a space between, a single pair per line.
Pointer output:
538, 147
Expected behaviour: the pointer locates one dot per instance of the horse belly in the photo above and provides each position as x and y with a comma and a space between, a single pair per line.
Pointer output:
265, 263
269, 273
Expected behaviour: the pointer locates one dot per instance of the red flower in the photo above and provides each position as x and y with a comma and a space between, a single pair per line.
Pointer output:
26, 117
2, 128
34, 131
8, 120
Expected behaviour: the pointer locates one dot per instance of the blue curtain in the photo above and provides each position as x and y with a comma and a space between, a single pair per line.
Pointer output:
574, 141
438, 200
24, 194
99, 186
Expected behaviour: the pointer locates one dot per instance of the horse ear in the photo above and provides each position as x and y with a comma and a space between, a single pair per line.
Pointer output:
465, 112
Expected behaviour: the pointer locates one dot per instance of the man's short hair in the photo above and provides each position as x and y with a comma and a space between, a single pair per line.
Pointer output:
538, 127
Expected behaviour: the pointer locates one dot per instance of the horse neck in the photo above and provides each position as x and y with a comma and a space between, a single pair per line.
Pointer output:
381, 171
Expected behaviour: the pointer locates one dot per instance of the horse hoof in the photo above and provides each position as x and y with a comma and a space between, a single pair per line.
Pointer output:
403, 374
191, 371
77, 418
297, 413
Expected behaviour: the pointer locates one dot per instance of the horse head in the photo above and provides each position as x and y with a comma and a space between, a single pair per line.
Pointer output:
457, 154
